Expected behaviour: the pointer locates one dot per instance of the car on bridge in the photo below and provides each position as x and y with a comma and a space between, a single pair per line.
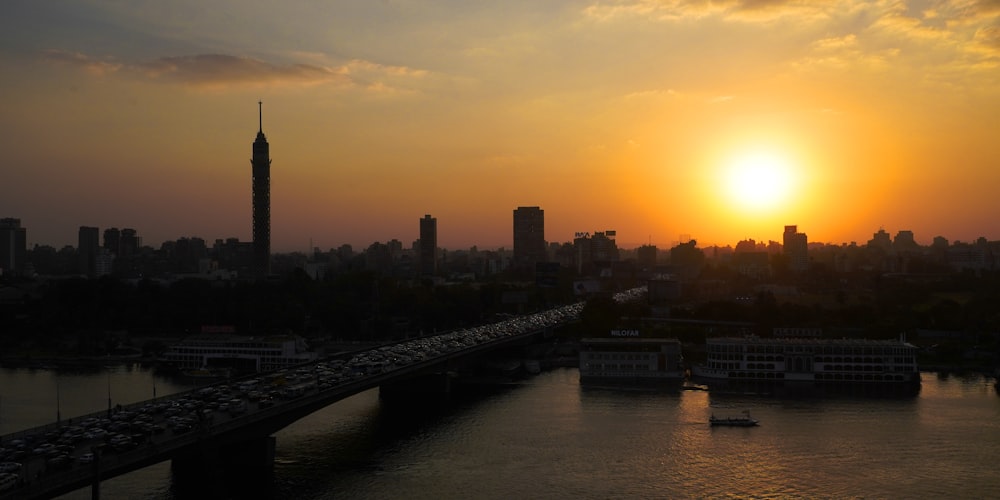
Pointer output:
9, 481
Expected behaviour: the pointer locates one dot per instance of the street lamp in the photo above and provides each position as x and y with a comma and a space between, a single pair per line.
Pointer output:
109, 391
58, 413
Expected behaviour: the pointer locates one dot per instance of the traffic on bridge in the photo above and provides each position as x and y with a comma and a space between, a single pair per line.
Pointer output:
66, 455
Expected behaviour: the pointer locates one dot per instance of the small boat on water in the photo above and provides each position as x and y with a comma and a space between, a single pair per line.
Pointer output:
745, 421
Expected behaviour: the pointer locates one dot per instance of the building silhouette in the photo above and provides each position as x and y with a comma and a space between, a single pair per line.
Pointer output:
596, 252
261, 172
904, 242
881, 240
428, 246
13, 246
88, 244
529, 236
130, 243
113, 240
796, 247
645, 256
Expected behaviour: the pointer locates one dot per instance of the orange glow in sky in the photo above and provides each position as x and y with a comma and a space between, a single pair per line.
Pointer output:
720, 120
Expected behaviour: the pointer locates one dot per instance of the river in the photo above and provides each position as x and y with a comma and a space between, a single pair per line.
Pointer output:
548, 437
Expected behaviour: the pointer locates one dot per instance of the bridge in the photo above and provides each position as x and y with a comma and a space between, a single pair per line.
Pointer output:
232, 423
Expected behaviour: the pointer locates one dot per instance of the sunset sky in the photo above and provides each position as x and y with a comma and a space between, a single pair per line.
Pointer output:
641, 116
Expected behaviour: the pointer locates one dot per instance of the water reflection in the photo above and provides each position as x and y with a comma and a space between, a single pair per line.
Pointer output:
549, 437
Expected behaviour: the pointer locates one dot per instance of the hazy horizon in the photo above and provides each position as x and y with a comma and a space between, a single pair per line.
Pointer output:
622, 245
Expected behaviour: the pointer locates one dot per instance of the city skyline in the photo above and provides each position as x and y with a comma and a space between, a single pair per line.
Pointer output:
719, 120
879, 238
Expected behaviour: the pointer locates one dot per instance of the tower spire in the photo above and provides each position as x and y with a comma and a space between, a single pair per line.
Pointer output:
261, 169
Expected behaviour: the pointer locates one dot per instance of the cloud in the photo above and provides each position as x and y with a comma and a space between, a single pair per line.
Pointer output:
686, 10
988, 36
221, 70
218, 69
845, 53
78, 60
655, 94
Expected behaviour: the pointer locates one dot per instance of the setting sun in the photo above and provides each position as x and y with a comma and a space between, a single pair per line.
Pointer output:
758, 181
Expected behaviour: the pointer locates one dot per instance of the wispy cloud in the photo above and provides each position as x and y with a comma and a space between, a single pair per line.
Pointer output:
75, 59
845, 53
687, 10
219, 69
655, 94
222, 70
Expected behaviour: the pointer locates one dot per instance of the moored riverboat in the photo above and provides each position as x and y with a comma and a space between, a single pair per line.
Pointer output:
237, 352
815, 360
631, 360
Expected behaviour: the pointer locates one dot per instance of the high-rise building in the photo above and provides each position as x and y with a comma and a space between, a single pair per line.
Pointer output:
261, 172
13, 246
130, 243
88, 242
645, 255
428, 246
529, 236
595, 249
881, 240
796, 247
113, 240
904, 242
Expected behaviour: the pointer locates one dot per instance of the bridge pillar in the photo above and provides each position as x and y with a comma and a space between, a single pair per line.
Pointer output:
225, 470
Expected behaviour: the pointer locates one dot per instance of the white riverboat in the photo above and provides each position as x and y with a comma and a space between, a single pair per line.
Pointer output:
754, 358
238, 352
631, 360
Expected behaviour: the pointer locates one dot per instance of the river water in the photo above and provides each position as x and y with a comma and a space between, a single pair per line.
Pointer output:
548, 437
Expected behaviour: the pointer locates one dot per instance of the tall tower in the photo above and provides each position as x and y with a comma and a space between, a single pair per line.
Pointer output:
261, 165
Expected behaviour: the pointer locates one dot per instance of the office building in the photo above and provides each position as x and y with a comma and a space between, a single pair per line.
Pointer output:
796, 247
645, 256
88, 243
13, 246
130, 243
428, 246
529, 236
113, 240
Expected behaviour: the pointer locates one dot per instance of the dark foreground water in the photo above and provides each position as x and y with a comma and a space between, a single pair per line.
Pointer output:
550, 438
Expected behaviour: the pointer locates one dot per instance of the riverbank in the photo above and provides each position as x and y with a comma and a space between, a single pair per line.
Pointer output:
57, 362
